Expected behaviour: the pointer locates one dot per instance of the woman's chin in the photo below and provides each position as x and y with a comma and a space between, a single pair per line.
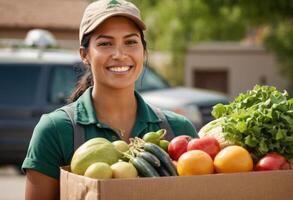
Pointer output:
122, 85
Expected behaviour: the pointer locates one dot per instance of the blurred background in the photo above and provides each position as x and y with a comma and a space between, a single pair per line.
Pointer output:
204, 51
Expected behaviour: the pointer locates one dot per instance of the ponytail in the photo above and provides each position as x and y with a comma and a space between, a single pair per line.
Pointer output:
85, 82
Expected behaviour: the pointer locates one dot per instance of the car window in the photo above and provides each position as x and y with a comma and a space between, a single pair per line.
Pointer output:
62, 81
150, 80
18, 84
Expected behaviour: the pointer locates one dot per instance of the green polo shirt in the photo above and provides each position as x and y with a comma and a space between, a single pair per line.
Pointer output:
51, 145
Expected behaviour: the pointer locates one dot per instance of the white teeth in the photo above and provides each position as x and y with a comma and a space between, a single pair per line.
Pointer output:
119, 69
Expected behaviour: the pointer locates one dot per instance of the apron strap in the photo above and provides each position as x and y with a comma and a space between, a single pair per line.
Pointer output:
164, 122
78, 130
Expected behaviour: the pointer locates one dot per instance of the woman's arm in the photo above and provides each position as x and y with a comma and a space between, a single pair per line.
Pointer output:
40, 186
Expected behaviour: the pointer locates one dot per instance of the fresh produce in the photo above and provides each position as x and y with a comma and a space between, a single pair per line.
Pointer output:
121, 145
98, 158
152, 159
123, 170
99, 170
154, 137
273, 161
195, 162
162, 156
214, 129
164, 144
94, 150
144, 168
207, 144
163, 171
178, 146
146, 159
233, 159
260, 120
149, 159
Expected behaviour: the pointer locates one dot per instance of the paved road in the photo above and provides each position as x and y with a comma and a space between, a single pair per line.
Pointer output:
11, 183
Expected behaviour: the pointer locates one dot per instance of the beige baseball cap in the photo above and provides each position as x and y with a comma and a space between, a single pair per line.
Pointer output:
100, 10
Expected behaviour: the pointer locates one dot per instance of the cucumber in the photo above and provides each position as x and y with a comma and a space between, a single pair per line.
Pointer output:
144, 168
152, 159
162, 156
163, 171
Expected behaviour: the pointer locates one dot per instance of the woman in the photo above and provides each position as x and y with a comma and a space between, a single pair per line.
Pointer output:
113, 49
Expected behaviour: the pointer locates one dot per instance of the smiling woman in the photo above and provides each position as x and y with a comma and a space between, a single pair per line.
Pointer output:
115, 54
104, 102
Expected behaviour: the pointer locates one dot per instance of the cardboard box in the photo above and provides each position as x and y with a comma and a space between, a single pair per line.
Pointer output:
270, 185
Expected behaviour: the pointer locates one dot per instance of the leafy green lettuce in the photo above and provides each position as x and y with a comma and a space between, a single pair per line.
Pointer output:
261, 120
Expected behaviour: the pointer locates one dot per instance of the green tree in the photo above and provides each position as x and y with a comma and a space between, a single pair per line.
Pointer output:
277, 16
173, 24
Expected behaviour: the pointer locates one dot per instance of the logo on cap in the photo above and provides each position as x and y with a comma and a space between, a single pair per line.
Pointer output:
113, 3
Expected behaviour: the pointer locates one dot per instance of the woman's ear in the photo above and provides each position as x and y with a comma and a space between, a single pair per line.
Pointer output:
83, 54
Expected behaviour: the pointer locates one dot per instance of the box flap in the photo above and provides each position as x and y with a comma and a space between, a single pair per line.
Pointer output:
74, 186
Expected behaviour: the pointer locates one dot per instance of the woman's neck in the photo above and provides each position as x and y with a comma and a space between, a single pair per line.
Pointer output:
114, 101
117, 108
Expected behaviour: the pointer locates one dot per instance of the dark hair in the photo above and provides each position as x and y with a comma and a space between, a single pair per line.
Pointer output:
86, 80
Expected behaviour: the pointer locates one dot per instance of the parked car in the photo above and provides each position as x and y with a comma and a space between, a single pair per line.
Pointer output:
37, 81
195, 104
32, 82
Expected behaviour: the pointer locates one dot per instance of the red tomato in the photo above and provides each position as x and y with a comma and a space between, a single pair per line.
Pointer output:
178, 146
273, 161
207, 144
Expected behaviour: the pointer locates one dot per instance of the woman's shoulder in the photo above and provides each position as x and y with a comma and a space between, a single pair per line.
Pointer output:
56, 121
180, 124
51, 144
175, 118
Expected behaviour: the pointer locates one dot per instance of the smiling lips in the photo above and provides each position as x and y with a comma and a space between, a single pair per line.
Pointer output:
119, 69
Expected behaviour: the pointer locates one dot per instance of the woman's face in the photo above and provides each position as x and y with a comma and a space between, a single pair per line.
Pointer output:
115, 53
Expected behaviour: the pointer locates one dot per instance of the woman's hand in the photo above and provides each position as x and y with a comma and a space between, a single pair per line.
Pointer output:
40, 186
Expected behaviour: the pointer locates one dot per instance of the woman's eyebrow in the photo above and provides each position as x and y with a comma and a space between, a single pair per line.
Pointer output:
131, 34
111, 37
104, 36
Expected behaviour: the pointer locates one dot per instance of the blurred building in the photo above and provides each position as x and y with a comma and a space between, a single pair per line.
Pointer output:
61, 17
231, 68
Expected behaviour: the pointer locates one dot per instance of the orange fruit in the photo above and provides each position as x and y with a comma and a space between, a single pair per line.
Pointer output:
233, 159
195, 162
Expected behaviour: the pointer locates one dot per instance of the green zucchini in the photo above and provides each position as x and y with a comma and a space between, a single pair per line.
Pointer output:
163, 171
152, 159
144, 168
162, 156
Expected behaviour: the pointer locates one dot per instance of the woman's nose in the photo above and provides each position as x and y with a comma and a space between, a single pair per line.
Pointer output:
119, 53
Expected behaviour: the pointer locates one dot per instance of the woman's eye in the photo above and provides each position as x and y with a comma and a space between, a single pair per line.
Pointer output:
130, 42
104, 44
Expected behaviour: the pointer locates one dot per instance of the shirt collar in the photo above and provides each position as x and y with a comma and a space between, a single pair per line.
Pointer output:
85, 112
